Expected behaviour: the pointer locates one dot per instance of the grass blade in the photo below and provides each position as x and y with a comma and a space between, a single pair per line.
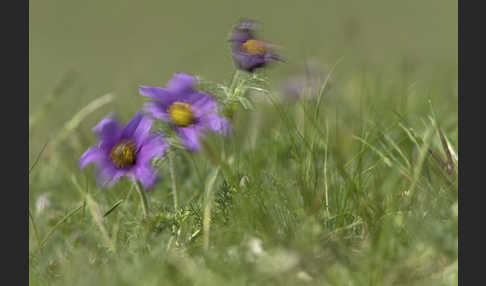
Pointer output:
36, 233
65, 82
37, 158
115, 205
207, 209
72, 124
94, 209
51, 232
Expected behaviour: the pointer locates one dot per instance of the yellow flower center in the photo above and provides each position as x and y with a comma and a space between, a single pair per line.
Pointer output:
123, 154
180, 113
254, 47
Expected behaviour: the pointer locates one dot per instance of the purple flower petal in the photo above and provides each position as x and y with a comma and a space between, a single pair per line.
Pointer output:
189, 137
153, 146
107, 127
92, 155
247, 25
132, 125
157, 110
274, 56
244, 30
109, 132
154, 92
216, 123
108, 175
141, 132
240, 36
146, 175
181, 82
203, 103
248, 62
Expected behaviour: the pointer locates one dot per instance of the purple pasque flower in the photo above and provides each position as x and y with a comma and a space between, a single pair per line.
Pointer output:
248, 52
190, 112
125, 151
305, 84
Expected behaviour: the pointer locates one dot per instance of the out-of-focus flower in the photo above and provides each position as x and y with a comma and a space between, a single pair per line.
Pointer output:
42, 203
304, 276
250, 53
190, 112
255, 246
125, 151
304, 85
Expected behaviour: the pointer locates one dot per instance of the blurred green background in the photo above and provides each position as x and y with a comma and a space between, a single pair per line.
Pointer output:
115, 46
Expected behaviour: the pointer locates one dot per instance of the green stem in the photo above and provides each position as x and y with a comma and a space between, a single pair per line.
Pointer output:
233, 82
325, 168
173, 177
36, 233
143, 199
209, 196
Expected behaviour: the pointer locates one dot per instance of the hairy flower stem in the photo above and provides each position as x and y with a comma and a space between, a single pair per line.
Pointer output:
234, 81
143, 199
208, 201
173, 177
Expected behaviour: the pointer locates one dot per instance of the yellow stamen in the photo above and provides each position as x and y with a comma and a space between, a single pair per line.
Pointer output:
123, 154
254, 47
180, 113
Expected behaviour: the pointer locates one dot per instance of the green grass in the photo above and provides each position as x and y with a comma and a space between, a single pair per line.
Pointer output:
357, 187
390, 216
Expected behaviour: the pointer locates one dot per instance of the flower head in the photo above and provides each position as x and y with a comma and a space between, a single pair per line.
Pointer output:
190, 112
125, 151
305, 84
250, 53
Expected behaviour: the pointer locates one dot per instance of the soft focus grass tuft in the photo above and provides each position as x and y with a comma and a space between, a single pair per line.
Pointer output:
362, 193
